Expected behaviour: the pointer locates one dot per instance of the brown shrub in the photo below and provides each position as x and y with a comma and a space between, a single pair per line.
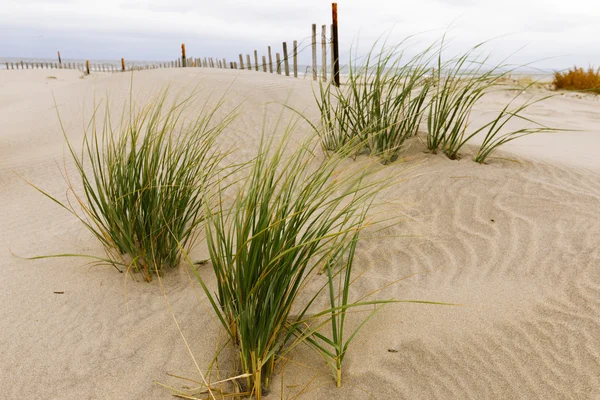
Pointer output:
578, 79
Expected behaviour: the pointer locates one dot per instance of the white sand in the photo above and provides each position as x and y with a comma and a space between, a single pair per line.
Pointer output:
518, 243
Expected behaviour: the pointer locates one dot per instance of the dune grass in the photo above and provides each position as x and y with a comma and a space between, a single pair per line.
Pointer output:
497, 134
144, 182
379, 106
289, 219
578, 79
459, 84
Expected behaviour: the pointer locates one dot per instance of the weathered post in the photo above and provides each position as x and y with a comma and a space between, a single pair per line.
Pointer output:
285, 59
224, 63
278, 59
59, 60
295, 58
87, 66
336, 50
122, 65
324, 52
241, 62
249, 66
264, 59
314, 51
270, 61
256, 60
183, 59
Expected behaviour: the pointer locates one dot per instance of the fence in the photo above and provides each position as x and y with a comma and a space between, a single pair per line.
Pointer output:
283, 59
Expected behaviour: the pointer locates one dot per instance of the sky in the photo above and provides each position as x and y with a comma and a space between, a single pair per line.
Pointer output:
551, 34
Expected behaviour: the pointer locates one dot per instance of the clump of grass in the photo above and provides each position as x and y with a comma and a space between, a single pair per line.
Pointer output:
459, 83
144, 182
496, 137
288, 220
578, 79
379, 106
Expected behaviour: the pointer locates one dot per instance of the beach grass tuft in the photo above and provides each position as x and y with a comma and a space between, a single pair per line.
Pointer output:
380, 105
292, 216
144, 180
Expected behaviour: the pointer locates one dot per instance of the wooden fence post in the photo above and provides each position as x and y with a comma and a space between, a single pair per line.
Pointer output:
256, 60
336, 50
278, 63
249, 66
183, 59
295, 58
87, 66
122, 65
270, 61
324, 52
59, 60
314, 51
264, 59
241, 62
285, 59
224, 63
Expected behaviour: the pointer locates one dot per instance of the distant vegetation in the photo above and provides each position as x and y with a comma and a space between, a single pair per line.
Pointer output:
578, 79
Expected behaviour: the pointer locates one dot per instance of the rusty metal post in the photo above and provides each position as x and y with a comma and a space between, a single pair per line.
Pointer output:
183, 59
336, 49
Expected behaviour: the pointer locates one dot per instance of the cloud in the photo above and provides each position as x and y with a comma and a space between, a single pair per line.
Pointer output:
154, 29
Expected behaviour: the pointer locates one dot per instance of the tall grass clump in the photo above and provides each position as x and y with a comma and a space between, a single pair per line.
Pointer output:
379, 106
496, 133
578, 79
293, 215
459, 83
144, 181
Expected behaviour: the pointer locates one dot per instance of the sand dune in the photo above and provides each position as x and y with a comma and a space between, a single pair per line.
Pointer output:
516, 242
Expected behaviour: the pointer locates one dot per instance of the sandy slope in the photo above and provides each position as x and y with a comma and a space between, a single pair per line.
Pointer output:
516, 242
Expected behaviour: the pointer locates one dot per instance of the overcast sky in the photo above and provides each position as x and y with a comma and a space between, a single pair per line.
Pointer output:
558, 33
